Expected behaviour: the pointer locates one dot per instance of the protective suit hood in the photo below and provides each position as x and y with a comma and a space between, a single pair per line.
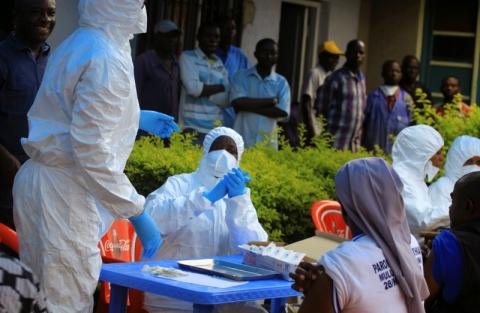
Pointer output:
413, 148
204, 171
462, 149
119, 19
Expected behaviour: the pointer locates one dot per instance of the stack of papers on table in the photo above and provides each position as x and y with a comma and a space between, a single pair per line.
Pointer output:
194, 278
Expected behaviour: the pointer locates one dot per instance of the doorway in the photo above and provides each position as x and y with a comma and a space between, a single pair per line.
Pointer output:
297, 44
6, 18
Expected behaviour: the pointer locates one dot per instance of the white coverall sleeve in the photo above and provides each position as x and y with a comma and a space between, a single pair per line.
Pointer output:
439, 193
172, 206
418, 209
242, 221
97, 110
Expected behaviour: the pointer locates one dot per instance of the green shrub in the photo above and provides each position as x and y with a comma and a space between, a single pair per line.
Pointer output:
452, 123
285, 183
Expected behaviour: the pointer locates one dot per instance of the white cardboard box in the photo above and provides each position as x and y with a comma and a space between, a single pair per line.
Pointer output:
268, 262
313, 247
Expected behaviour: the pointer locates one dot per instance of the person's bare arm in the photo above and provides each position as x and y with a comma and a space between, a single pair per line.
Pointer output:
9, 166
270, 112
317, 287
209, 90
265, 107
308, 115
248, 104
319, 298
428, 273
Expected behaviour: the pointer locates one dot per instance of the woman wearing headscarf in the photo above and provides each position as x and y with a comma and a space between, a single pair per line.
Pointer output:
205, 213
463, 158
380, 269
416, 154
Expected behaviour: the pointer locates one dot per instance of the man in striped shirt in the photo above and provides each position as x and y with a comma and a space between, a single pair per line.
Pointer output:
342, 99
205, 84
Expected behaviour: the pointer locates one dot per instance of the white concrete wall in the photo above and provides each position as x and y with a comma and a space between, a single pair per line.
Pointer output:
266, 23
343, 21
67, 21
394, 34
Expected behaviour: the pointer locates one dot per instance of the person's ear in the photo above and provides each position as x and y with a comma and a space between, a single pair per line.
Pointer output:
470, 207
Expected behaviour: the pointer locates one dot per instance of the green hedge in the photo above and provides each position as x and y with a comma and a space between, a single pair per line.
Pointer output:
285, 183
453, 123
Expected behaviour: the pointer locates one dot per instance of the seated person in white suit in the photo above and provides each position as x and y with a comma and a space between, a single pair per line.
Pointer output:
206, 213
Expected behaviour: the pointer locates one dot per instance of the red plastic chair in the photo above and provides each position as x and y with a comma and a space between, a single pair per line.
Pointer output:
327, 217
8, 237
120, 244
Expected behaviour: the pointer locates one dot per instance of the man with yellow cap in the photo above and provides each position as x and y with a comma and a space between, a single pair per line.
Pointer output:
328, 56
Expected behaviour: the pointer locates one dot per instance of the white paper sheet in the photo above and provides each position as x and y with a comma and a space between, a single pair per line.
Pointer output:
206, 280
210, 281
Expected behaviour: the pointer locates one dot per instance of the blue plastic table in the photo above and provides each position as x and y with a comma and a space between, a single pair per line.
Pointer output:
129, 275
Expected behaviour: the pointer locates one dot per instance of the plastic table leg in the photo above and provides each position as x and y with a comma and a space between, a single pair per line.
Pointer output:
118, 299
277, 305
202, 308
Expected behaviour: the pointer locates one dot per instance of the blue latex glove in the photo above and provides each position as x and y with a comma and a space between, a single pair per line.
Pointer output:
217, 192
148, 233
236, 182
157, 123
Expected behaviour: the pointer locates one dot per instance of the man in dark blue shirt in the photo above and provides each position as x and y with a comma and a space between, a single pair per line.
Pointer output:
157, 73
452, 269
23, 57
232, 57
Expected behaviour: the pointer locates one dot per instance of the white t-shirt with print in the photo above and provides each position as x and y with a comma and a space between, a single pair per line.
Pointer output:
363, 281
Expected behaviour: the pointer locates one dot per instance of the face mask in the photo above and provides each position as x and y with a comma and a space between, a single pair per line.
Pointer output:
467, 169
141, 26
220, 162
388, 90
431, 171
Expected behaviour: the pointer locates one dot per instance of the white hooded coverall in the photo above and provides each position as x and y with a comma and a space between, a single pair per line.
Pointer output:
462, 149
193, 227
412, 150
83, 125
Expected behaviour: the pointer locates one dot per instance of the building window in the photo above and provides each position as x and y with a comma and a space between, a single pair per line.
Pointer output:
451, 45
188, 14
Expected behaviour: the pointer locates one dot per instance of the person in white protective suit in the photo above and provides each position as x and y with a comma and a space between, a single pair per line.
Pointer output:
416, 154
83, 125
463, 158
205, 213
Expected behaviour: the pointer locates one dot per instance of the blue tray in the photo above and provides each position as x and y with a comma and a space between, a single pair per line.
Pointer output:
229, 270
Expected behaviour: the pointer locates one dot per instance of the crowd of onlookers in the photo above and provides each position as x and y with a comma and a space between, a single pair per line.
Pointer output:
356, 118
213, 83
216, 83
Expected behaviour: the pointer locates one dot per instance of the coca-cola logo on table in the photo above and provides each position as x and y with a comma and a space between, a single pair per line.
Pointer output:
121, 244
